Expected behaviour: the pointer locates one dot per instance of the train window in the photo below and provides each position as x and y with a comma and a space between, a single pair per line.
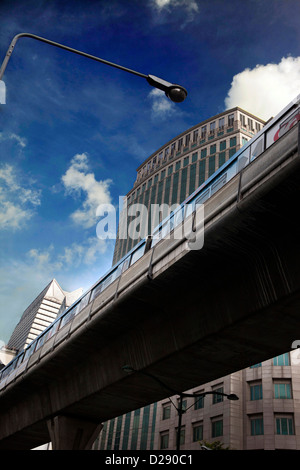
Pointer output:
188, 209
203, 197
137, 254
53, 330
109, 279
178, 217
257, 147
29, 351
219, 183
83, 303
68, 316
125, 264
20, 359
41, 341
243, 160
282, 126
96, 291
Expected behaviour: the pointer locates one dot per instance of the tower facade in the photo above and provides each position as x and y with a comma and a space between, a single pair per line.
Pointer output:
176, 169
40, 314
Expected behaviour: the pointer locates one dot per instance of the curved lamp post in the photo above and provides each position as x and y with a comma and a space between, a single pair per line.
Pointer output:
174, 92
182, 395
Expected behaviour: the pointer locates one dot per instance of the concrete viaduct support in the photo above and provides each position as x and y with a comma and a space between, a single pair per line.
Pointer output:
69, 433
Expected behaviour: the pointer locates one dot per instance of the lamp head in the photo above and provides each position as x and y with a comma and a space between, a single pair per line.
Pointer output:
174, 92
232, 396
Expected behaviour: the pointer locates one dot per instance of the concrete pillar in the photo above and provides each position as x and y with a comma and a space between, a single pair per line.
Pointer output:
69, 433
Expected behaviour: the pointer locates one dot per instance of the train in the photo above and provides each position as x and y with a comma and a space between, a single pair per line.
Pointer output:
275, 129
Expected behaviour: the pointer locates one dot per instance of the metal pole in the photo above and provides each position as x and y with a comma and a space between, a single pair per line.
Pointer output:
61, 46
179, 409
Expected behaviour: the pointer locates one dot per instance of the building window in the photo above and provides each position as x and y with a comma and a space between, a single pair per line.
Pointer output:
149, 183
284, 425
163, 174
216, 397
186, 161
177, 166
203, 153
256, 391
232, 151
221, 122
180, 143
282, 389
257, 126
250, 124
257, 426
187, 139
203, 132
164, 440
195, 135
230, 120
232, 142
170, 170
217, 427
211, 165
212, 126
194, 157
222, 158
197, 432
223, 145
243, 120
212, 149
282, 360
166, 411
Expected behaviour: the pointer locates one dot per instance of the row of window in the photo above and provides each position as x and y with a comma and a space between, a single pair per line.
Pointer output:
206, 152
282, 389
165, 155
197, 432
200, 133
198, 402
281, 360
284, 425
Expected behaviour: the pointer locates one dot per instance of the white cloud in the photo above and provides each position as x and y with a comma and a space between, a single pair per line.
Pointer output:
191, 5
167, 6
161, 105
77, 180
16, 201
75, 255
266, 89
20, 140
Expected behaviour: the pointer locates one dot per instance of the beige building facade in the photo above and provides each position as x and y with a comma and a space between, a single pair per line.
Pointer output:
266, 416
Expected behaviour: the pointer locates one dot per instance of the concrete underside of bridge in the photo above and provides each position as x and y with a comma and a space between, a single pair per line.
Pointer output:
214, 311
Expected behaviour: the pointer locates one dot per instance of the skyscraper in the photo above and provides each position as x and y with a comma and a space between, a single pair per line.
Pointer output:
40, 314
176, 169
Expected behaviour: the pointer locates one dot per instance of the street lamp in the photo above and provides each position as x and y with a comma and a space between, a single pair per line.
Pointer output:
174, 92
182, 395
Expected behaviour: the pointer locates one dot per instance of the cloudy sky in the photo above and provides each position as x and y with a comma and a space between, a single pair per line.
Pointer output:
73, 131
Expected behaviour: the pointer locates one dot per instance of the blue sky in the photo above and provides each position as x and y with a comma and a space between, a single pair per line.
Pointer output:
73, 131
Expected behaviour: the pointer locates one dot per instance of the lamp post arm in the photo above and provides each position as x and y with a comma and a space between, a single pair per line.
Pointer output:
61, 46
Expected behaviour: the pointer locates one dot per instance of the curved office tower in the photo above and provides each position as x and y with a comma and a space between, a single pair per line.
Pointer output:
176, 169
